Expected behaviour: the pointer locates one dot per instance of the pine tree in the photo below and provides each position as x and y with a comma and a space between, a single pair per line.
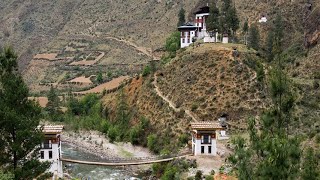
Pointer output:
254, 37
310, 170
53, 106
226, 5
269, 46
212, 23
99, 78
275, 154
278, 34
233, 20
229, 21
122, 116
245, 29
19, 120
181, 16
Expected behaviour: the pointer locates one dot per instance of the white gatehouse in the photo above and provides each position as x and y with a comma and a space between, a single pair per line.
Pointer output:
204, 137
51, 149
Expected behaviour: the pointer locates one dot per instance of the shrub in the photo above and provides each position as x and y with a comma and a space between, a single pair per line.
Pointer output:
209, 177
198, 175
213, 172
194, 107
104, 126
134, 135
152, 143
316, 84
146, 71
99, 78
170, 173
158, 169
183, 139
173, 42
221, 170
112, 134
318, 138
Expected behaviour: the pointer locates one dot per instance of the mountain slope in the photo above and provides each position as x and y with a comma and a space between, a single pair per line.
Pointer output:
30, 25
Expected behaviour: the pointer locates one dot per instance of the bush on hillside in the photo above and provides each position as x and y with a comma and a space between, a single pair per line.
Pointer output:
198, 175
146, 71
152, 143
112, 134
173, 42
183, 139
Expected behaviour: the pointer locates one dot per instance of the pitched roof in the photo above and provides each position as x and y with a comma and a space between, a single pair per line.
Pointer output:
203, 10
205, 125
52, 129
188, 25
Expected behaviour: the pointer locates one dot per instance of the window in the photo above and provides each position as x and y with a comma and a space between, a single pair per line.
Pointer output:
183, 40
42, 154
202, 149
206, 139
188, 40
50, 154
47, 144
209, 149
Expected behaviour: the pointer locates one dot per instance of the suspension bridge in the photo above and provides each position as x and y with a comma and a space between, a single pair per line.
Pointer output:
126, 161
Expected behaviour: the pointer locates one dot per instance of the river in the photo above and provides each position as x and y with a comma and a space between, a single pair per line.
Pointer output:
91, 172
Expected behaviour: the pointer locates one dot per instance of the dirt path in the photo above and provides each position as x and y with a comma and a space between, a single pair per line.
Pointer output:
171, 104
143, 50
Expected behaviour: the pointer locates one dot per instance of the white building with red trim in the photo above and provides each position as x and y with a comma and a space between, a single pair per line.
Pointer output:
188, 32
204, 137
198, 29
51, 149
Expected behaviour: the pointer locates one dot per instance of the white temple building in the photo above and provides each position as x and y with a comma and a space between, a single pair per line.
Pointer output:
204, 138
198, 29
51, 149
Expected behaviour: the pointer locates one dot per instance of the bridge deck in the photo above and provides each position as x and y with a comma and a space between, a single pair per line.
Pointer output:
120, 163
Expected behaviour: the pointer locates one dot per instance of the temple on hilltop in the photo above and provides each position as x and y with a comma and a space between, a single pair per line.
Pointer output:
204, 137
191, 31
50, 149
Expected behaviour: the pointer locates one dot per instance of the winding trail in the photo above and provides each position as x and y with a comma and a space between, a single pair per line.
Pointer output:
171, 104
143, 50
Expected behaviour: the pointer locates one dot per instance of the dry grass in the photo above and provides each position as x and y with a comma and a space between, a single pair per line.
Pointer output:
208, 81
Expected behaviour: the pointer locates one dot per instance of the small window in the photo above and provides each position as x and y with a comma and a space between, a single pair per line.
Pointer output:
206, 139
42, 154
50, 154
209, 149
188, 40
183, 40
202, 149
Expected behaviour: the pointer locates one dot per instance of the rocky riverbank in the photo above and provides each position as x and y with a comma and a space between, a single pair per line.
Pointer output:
97, 144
